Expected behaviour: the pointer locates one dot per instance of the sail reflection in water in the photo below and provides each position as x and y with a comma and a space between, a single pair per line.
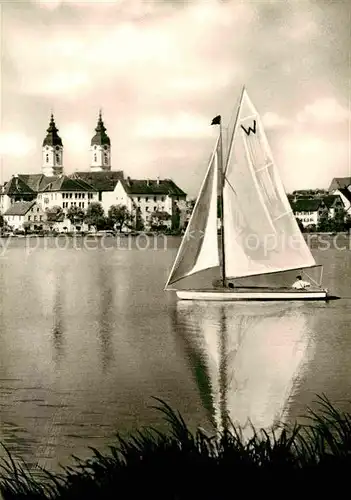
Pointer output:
250, 357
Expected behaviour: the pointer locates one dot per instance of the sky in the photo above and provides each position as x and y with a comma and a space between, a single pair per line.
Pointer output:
161, 70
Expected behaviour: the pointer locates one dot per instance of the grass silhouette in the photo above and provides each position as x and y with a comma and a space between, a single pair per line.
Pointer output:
180, 464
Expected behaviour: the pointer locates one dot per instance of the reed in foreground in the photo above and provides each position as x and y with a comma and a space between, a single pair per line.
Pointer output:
180, 464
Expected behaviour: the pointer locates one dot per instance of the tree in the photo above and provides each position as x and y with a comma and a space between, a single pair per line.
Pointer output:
26, 226
53, 215
2, 221
324, 222
158, 219
120, 216
75, 215
95, 215
176, 218
139, 223
339, 220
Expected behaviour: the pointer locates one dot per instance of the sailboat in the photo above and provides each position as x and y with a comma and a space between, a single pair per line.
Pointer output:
259, 235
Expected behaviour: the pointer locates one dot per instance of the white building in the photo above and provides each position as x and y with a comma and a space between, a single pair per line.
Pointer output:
65, 192
150, 197
22, 211
341, 186
309, 210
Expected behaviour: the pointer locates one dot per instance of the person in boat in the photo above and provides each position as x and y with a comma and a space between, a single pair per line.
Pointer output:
300, 284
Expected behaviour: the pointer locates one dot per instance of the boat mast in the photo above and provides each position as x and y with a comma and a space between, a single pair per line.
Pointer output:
221, 177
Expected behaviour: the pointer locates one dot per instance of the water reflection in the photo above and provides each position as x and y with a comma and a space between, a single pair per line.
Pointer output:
245, 357
58, 323
106, 317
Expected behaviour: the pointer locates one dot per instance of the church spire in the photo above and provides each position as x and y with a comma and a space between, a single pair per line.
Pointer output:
100, 147
100, 138
52, 150
52, 138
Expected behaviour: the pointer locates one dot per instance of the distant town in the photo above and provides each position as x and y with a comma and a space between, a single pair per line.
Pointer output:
103, 199
98, 198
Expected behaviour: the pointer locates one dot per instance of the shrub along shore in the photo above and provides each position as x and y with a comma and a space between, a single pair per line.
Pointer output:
182, 464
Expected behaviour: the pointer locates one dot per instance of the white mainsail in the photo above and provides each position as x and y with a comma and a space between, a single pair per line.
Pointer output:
199, 248
261, 232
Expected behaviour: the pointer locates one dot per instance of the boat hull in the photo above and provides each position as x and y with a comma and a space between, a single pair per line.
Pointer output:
249, 295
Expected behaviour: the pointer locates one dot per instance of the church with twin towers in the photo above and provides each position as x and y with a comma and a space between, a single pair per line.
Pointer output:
52, 187
100, 148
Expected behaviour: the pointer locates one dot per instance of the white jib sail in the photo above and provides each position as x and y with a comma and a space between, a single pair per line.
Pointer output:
199, 248
261, 232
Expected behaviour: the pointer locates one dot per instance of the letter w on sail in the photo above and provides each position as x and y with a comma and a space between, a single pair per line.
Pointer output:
253, 129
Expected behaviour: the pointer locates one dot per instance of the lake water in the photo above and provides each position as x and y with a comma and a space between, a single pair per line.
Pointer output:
88, 337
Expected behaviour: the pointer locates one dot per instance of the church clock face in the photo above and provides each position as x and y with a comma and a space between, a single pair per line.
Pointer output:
57, 148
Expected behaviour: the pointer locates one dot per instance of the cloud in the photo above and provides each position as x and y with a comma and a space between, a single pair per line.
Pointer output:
16, 144
309, 160
272, 120
161, 69
76, 137
180, 125
326, 110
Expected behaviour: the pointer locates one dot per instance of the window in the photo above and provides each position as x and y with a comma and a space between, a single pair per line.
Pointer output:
155, 198
95, 157
38, 209
83, 195
47, 158
147, 209
162, 198
28, 217
100, 196
138, 198
35, 217
40, 217
105, 159
57, 158
155, 208
70, 195
147, 198
82, 204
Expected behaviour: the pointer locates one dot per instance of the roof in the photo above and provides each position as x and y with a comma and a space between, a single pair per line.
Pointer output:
346, 193
145, 186
331, 199
306, 204
17, 186
37, 182
20, 208
65, 183
101, 181
340, 182
313, 204
52, 138
100, 138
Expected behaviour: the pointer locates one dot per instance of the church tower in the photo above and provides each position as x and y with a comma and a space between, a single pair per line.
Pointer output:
52, 151
100, 148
